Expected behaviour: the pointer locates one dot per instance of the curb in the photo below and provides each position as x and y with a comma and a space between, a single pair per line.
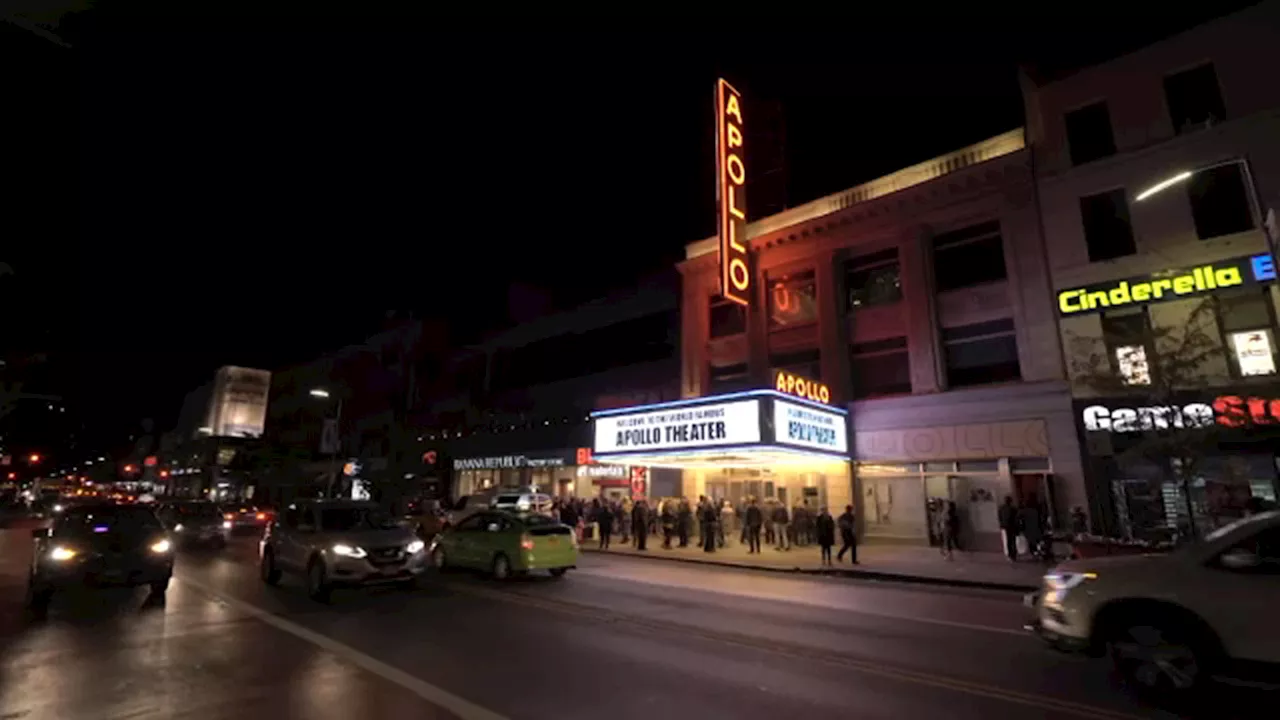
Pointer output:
850, 573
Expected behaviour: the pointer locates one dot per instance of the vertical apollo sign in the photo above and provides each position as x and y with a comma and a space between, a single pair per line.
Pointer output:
731, 193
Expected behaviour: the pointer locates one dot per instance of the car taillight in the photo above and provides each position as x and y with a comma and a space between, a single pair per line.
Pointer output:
262, 516
526, 542
228, 516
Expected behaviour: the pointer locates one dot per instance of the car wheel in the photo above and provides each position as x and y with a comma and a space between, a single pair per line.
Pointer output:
438, 559
501, 567
1161, 658
317, 584
558, 572
267, 568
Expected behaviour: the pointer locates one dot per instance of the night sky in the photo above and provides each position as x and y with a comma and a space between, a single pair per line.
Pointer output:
256, 192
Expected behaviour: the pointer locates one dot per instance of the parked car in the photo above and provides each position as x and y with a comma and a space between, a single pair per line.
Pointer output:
1170, 622
97, 544
340, 543
503, 543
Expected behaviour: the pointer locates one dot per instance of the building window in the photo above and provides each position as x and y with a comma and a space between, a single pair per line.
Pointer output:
727, 318
880, 368
1246, 318
1219, 201
969, 256
1107, 230
981, 354
728, 378
1128, 337
1089, 135
1194, 99
873, 279
793, 299
805, 363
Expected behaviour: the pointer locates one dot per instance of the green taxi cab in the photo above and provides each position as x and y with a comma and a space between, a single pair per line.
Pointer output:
504, 543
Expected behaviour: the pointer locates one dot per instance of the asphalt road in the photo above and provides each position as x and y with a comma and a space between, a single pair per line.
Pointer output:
620, 638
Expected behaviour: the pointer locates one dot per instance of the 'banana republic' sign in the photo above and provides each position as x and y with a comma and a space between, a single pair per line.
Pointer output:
1173, 285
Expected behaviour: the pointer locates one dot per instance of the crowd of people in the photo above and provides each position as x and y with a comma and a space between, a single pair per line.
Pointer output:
713, 524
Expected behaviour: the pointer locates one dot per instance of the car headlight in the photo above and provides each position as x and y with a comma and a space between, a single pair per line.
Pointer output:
177, 528
1067, 580
226, 524
62, 554
349, 551
415, 547
161, 547
58, 508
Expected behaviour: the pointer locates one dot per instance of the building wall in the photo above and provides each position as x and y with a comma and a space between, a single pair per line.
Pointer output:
1026, 417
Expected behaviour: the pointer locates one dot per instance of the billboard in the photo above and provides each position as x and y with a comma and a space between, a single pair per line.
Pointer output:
239, 404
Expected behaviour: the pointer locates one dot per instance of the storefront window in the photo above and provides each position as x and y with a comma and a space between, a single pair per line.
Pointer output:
793, 299
1128, 335
1246, 318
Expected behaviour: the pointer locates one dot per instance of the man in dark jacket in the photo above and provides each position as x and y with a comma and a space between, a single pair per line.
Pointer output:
751, 524
640, 523
604, 519
781, 519
848, 535
824, 530
1008, 517
684, 522
708, 512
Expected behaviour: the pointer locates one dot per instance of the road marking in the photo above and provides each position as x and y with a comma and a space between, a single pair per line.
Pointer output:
461, 707
587, 612
803, 601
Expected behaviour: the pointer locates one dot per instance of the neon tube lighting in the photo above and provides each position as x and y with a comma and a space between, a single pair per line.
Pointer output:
1180, 177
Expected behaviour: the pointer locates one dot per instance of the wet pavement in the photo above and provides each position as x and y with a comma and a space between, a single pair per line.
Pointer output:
620, 637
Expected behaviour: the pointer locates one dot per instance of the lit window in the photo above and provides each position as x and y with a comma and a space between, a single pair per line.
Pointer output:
1253, 351
1132, 361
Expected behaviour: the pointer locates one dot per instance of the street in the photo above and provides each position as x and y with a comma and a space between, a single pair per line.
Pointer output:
620, 638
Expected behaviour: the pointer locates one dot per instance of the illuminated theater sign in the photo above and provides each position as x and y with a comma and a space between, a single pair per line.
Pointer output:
801, 387
731, 194
746, 423
1171, 285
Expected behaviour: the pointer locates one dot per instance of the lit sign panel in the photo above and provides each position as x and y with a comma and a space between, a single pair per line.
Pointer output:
808, 427
1226, 411
680, 428
1253, 352
1253, 270
731, 194
792, 384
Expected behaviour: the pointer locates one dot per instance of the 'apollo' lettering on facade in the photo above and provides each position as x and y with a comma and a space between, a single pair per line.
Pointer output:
731, 190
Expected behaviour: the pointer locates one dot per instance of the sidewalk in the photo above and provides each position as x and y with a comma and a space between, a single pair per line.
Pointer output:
894, 563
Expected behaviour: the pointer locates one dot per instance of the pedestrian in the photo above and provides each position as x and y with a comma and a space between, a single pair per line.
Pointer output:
1007, 516
724, 524
949, 529
708, 526
640, 521
751, 524
684, 522
780, 523
1079, 521
624, 521
668, 524
825, 534
604, 520
1032, 529
848, 535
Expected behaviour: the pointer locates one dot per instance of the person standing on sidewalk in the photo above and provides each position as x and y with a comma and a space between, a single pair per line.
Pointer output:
604, 520
780, 521
668, 523
684, 522
724, 525
751, 525
708, 510
624, 520
1008, 517
825, 534
640, 523
949, 529
848, 535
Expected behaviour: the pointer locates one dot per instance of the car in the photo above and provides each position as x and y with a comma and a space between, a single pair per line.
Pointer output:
246, 518
504, 543
1171, 622
340, 543
99, 544
195, 523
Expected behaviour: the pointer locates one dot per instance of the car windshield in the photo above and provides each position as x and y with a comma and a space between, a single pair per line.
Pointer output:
108, 518
202, 510
354, 518
506, 500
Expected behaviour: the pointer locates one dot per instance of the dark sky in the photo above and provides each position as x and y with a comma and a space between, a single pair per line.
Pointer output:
256, 191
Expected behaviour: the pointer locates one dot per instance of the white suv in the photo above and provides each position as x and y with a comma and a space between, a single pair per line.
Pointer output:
1170, 622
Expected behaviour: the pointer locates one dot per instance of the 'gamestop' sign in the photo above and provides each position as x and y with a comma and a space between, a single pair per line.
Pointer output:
1226, 411
679, 428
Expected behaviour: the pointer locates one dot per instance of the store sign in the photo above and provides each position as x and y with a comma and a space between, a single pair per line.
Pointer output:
679, 428
1171, 285
801, 387
731, 194
1226, 411
808, 427
498, 462
602, 471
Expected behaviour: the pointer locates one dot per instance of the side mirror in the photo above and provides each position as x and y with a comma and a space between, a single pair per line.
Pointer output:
1240, 559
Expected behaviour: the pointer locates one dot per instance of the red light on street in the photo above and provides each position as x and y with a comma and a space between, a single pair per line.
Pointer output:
128, 468
13, 475
164, 473
35, 458
150, 461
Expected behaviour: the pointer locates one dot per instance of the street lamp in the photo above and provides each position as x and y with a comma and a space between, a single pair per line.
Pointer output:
333, 448
1162, 185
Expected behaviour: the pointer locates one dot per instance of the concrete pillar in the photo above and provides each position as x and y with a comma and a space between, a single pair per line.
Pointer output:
758, 326
923, 341
833, 329
695, 332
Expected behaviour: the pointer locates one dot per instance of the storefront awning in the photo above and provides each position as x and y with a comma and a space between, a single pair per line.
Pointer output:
752, 429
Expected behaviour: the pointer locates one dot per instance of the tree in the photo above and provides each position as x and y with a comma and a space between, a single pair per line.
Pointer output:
1158, 366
